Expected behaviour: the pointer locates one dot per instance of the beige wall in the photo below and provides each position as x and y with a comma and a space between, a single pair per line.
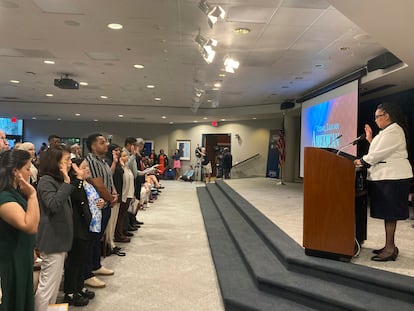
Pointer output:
254, 138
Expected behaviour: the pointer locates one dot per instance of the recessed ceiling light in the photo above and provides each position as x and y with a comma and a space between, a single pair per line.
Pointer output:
49, 95
115, 26
59, 119
164, 117
254, 118
104, 97
83, 83
195, 121
14, 81
222, 75
157, 98
77, 114
49, 62
171, 122
34, 118
209, 100
242, 31
215, 89
121, 115
95, 120
205, 118
139, 66
150, 86
223, 120
217, 84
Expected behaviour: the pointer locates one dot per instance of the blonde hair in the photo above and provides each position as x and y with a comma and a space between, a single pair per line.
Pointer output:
26, 146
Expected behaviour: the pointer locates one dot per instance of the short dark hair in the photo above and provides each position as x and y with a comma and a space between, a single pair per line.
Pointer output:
53, 136
91, 139
130, 140
49, 162
11, 160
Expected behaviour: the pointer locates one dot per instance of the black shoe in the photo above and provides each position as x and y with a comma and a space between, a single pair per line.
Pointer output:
392, 257
87, 293
140, 222
129, 234
76, 300
130, 228
377, 251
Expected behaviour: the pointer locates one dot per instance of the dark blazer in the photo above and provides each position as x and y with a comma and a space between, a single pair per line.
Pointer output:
55, 232
81, 213
118, 178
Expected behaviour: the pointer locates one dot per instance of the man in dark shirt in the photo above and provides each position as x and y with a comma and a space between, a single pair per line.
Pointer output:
227, 163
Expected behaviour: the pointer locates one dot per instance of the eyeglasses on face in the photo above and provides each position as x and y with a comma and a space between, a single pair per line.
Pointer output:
379, 115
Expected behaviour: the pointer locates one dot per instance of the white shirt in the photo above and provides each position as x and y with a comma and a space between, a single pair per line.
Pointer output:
388, 155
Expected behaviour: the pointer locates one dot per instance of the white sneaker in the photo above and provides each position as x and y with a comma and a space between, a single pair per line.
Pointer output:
103, 271
94, 282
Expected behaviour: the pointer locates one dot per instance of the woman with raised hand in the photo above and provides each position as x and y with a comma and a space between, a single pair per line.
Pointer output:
55, 235
19, 219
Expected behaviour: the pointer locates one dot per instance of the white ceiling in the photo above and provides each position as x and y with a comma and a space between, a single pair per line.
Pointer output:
294, 46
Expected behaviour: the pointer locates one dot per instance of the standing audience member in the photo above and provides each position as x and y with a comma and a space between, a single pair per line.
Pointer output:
55, 235
101, 178
389, 174
124, 183
177, 163
227, 163
19, 219
206, 164
75, 151
75, 292
4, 143
112, 158
29, 147
162, 161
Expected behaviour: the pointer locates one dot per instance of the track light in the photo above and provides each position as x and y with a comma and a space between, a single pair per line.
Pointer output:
213, 12
206, 48
231, 64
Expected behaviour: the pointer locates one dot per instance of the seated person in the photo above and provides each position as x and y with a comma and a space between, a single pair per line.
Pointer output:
188, 174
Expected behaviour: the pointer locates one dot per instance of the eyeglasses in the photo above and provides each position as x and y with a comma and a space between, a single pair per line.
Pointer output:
379, 115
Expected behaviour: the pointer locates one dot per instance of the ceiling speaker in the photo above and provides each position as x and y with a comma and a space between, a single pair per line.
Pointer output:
287, 105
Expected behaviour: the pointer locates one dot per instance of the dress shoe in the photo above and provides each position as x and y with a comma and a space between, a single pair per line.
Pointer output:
118, 252
128, 234
139, 222
87, 293
94, 282
377, 251
76, 300
123, 240
103, 271
131, 228
392, 257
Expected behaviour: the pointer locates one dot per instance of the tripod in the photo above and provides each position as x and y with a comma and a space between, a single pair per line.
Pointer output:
198, 170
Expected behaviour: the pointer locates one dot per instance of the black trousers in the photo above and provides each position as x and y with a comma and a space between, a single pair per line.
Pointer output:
75, 265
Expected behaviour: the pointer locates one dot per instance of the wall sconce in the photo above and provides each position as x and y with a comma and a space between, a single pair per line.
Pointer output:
238, 138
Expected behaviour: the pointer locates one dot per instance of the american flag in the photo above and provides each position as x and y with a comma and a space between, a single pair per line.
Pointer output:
281, 147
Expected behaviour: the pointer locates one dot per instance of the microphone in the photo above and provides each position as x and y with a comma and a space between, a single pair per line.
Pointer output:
335, 139
361, 137
354, 142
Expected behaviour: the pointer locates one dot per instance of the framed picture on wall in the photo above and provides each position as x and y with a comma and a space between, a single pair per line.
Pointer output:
148, 146
184, 147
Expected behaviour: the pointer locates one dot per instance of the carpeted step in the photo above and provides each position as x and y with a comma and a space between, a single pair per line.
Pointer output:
272, 275
376, 281
238, 289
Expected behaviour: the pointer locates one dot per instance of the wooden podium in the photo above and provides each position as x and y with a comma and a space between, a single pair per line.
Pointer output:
328, 205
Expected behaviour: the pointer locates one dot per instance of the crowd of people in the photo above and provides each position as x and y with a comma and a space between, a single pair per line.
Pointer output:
65, 212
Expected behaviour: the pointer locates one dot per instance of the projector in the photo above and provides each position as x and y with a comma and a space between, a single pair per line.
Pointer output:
67, 84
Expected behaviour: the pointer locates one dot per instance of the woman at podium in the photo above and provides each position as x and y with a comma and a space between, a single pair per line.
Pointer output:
389, 174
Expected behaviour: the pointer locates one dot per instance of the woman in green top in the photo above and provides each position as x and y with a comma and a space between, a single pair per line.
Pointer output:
19, 219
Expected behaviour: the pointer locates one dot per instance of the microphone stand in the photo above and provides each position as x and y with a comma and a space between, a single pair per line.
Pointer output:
344, 147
